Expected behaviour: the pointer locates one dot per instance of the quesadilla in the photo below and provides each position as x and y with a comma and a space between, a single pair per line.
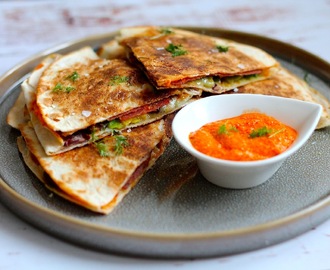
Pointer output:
97, 176
77, 98
285, 84
174, 58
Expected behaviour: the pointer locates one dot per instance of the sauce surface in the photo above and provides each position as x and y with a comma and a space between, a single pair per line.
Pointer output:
247, 137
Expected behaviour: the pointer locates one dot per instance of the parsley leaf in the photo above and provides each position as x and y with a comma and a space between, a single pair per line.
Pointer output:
222, 129
115, 80
121, 142
60, 88
102, 149
68, 89
260, 132
93, 136
73, 77
166, 31
222, 48
175, 50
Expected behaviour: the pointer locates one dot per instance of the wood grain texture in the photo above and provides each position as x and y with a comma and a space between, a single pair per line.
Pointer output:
27, 27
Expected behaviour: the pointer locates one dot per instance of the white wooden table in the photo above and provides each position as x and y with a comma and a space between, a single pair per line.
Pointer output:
27, 27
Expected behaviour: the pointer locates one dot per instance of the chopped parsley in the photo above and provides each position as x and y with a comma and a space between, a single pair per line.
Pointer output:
175, 50
260, 132
73, 77
163, 32
222, 48
121, 142
61, 88
166, 31
93, 136
222, 129
102, 149
115, 80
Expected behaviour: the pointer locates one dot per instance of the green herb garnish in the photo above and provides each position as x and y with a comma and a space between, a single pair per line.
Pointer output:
166, 31
222, 48
175, 50
233, 128
102, 149
93, 136
60, 88
115, 80
163, 32
121, 142
260, 132
73, 77
222, 129
68, 89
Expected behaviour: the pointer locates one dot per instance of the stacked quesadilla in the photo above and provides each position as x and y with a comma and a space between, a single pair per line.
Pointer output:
97, 176
93, 123
92, 126
80, 97
174, 58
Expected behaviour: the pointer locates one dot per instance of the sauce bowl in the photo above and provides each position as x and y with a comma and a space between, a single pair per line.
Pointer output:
300, 115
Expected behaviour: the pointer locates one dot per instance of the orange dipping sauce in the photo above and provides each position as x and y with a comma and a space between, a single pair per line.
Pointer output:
248, 137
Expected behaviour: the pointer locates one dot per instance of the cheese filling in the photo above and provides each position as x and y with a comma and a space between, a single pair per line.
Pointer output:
114, 126
217, 84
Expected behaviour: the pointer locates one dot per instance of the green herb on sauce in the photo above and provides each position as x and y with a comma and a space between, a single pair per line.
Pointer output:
73, 77
233, 129
116, 80
222, 129
225, 129
260, 132
175, 50
102, 148
121, 142
222, 48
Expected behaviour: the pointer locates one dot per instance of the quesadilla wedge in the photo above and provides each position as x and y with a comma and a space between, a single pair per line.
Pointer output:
175, 58
283, 83
80, 97
19, 113
97, 176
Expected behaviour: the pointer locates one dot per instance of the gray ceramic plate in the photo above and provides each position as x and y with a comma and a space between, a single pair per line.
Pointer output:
173, 212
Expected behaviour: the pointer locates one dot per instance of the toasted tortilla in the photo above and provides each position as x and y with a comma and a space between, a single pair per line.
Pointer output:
89, 179
174, 58
283, 83
69, 112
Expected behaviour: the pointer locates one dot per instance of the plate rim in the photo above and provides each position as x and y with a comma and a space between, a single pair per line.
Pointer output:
314, 214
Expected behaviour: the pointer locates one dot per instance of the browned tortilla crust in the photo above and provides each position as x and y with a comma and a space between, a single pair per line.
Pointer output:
201, 58
90, 180
283, 83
